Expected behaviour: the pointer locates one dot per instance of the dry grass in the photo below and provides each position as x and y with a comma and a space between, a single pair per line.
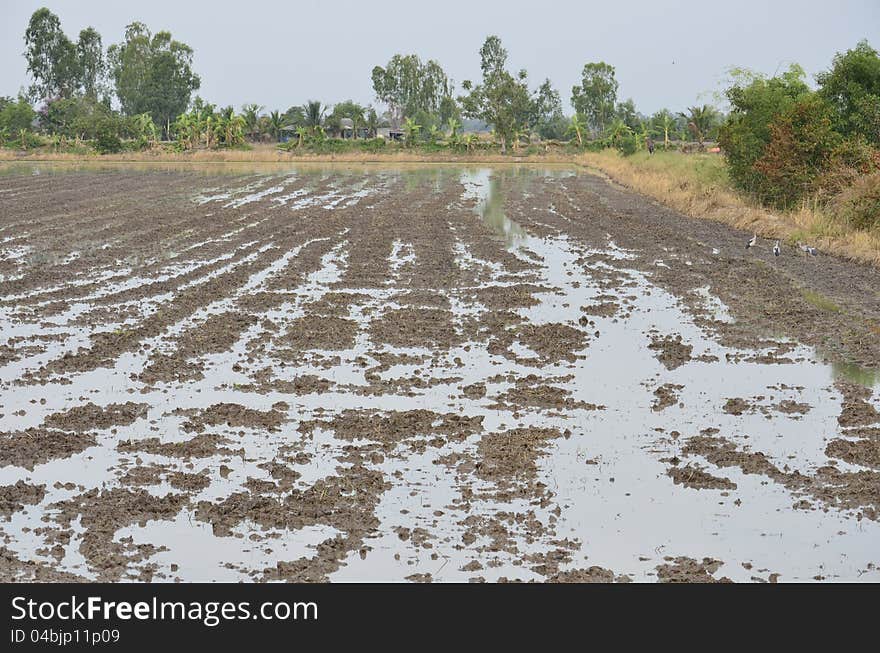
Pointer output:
269, 153
697, 185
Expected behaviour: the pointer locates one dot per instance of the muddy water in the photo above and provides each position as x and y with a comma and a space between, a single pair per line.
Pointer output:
621, 485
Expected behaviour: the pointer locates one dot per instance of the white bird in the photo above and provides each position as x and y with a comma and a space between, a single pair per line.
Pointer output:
752, 242
806, 249
776, 250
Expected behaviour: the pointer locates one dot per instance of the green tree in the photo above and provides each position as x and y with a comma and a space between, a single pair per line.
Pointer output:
547, 111
91, 64
852, 88
702, 122
351, 110
251, 115
51, 57
596, 96
802, 143
276, 122
502, 100
407, 85
755, 102
313, 114
627, 112
16, 115
153, 74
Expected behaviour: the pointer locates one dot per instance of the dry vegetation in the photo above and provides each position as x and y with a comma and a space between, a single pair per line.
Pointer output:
697, 185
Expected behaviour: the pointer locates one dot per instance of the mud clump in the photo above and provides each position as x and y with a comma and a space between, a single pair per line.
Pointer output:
736, 406
696, 478
689, 570
397, 426
102, 513
509, 459
233, 416
553, 342
667, 395
592, 574
415, 327
90, 416
671, 351
859, 452
35, 446
319, 332
201, 446
856, 410
14, 498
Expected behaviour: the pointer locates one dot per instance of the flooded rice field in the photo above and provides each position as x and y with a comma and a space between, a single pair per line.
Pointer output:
427, 373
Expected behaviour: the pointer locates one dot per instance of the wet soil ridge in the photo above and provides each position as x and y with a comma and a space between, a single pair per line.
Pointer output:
427, 374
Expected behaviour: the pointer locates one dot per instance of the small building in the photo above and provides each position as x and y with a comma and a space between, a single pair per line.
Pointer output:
389, 134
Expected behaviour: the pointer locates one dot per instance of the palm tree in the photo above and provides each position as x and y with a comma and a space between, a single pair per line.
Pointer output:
313, 113
251, 115
700, 122
276, 122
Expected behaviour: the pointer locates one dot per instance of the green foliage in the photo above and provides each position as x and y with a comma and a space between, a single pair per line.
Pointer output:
702, 122
16, 115
502, 100
204, 126
628, 144
91, 64
547, 118
596, 96
153, 74
51, 57
755, 102
802, 141
313, 114
107, 139
407, 86
852, 87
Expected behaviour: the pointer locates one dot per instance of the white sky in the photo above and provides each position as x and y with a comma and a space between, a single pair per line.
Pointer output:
667, 54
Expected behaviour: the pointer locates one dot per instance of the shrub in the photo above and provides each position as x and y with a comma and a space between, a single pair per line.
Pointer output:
859, 205
802, 140
16, 115
628, 144
755, 103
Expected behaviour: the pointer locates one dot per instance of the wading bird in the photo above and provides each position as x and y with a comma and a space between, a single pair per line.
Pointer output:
806, 249
752, 242
776, 250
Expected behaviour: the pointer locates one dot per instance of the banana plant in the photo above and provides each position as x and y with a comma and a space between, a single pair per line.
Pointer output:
302, 133
411, 131
578, 125
470, 141
454, 125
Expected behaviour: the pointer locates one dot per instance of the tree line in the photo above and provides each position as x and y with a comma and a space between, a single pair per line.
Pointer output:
783, 140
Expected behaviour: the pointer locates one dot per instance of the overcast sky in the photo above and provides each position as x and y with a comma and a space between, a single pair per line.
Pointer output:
277, 53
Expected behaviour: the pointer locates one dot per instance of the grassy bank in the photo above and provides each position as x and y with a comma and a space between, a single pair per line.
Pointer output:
697, 185
694, 184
